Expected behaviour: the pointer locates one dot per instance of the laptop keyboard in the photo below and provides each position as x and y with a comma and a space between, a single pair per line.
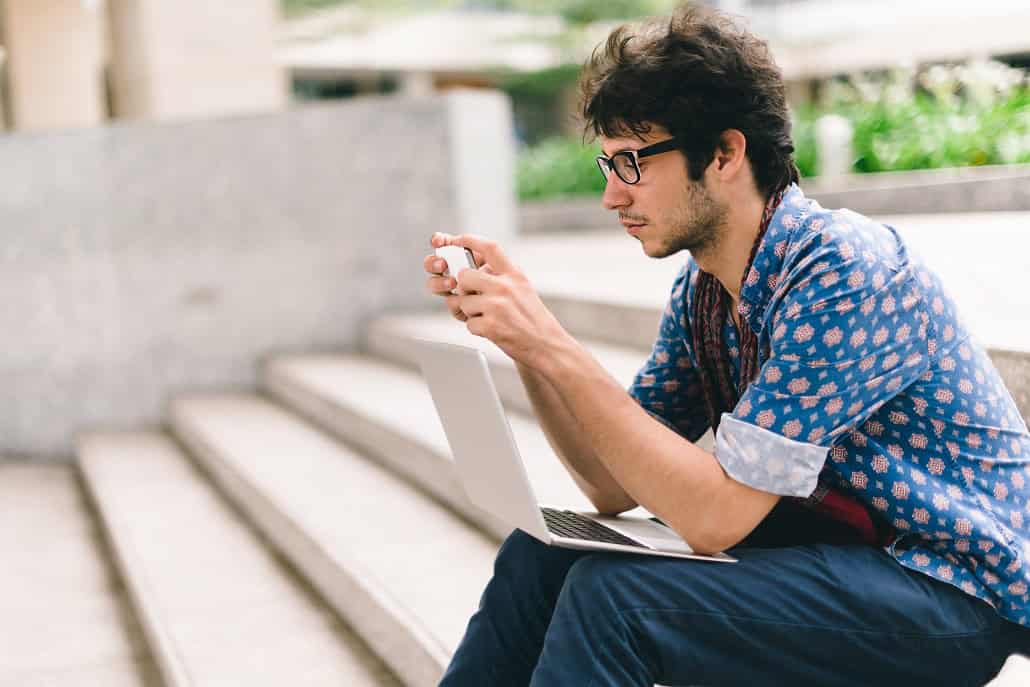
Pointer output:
566, 523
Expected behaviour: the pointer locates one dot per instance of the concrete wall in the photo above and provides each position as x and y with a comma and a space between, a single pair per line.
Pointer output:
140, 260
995, 188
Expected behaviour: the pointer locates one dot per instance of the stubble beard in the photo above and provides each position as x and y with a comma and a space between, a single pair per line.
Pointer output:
697, 225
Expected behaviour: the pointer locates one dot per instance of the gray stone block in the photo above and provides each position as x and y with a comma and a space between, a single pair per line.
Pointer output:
964, 189
973, 189
140, 260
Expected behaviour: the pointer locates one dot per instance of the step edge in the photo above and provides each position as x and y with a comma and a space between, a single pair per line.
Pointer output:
433, 474
290, 539
171, 664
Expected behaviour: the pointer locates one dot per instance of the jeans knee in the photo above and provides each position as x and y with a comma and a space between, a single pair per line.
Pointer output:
527, 568
595, 577
518, 553
611, 584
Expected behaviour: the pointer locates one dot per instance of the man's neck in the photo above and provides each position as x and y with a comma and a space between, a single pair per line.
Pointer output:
728, 260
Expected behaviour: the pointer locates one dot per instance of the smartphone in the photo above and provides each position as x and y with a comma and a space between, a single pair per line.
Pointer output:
470, 258
457, 260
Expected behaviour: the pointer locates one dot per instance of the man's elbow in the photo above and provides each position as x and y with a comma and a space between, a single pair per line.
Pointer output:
709, 541
610, 504
710, 545
723, 537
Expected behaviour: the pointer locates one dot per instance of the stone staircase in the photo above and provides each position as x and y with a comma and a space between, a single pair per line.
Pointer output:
309, 533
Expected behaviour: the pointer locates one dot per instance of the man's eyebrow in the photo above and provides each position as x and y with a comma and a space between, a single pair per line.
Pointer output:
620, 150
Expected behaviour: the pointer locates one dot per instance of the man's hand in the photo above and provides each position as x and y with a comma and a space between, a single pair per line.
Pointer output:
496, 301
440, 285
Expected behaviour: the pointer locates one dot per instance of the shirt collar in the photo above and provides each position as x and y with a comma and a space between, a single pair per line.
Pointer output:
763, 277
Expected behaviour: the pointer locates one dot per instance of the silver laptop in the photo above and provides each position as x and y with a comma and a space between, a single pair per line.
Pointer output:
494, 477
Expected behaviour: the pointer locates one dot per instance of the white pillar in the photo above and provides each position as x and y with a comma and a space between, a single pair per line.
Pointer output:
833, 146
3, 89
54, 67
483, 155
194, 58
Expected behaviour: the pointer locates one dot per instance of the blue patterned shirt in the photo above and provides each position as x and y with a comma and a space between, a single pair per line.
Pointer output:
873, 386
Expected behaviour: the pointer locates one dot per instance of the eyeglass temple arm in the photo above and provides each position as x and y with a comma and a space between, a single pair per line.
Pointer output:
660, 147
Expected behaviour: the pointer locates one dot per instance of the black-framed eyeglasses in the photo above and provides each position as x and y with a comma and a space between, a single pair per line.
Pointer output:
625, 162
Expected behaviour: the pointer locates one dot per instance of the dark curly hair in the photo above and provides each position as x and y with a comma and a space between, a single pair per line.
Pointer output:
697, 74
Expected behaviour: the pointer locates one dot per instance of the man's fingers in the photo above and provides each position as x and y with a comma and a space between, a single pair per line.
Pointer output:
439, 239
489, 250
453, 305
434, 264
473, 305
478, 281
440, 285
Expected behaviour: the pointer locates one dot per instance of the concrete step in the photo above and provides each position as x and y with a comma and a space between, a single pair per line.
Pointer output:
395, 338
1015, 673
402, 570
388, 412
66, 620
216, 604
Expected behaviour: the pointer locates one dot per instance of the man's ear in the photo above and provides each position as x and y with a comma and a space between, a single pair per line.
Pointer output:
730, 154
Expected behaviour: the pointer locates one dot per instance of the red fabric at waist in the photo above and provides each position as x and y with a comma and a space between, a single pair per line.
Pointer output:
839, 506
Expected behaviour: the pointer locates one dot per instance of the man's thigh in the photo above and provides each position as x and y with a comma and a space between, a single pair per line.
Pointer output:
816, 614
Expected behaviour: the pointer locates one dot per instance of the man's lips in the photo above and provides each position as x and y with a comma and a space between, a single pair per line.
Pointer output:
633, 228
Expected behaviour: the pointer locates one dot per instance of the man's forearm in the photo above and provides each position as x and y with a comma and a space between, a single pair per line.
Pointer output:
565, 435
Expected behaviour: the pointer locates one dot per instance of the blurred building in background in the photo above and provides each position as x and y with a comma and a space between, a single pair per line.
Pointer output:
74, 63
354, 49
350, 50
818, 39
70, 63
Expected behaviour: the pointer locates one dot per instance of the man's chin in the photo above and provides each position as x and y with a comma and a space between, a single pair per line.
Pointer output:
653, 249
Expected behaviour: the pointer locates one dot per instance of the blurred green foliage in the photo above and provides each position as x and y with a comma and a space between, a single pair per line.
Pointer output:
923, 134
295, 7
541, 85
978, 115
948, 116
803, 132
574, 11
586, 11
542, 101
558, 167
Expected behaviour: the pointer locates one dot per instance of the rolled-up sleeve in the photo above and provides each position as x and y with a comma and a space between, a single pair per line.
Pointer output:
667, 385
847, 335
766, 460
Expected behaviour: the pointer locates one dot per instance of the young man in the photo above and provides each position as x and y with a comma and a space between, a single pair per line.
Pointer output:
870, 470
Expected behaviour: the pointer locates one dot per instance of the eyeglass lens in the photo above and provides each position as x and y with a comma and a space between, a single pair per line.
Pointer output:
623, 164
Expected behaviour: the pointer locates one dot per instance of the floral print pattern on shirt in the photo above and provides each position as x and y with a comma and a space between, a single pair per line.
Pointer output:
868, 369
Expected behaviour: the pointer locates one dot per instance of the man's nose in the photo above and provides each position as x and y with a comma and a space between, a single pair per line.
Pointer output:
616, 193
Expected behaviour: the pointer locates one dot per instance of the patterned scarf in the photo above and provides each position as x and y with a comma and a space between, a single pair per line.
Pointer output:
710, 310
708, 316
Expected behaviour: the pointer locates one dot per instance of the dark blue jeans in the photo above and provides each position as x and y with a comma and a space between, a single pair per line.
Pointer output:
796, 614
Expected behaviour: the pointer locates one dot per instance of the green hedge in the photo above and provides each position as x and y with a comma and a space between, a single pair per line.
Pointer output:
558, 167
924, 133
942, 119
